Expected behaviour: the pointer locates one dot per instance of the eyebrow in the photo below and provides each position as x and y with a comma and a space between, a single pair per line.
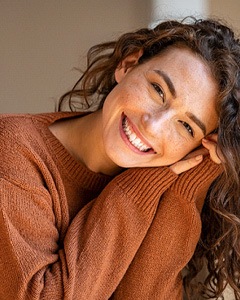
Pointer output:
172, 90
168, 82
198, 122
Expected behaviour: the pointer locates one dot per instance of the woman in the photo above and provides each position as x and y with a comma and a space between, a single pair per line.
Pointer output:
106, 204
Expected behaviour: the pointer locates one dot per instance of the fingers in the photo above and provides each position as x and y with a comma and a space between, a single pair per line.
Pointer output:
186, 164
210, 147
199, 151
210, 143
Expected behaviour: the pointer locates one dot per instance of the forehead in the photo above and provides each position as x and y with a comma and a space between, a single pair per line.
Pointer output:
184, 58
185, 68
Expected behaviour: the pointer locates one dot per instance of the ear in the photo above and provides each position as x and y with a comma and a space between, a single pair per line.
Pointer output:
126, 65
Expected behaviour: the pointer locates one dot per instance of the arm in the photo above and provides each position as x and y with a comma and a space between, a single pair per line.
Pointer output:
171, 239
98, 247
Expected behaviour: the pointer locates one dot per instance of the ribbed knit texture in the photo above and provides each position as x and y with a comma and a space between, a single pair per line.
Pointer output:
69, 233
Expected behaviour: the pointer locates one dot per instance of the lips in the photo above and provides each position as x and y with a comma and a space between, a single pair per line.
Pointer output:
132, 137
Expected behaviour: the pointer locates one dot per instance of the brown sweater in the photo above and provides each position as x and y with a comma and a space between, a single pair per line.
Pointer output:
69, 233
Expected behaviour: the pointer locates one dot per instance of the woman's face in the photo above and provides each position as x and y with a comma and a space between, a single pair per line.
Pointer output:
160, 110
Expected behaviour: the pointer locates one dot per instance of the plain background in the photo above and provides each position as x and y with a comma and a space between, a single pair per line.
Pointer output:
42, 41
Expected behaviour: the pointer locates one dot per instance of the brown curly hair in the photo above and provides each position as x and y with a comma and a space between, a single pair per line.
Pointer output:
215, 42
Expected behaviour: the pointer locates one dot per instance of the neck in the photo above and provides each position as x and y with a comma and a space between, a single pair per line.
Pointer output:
89, 147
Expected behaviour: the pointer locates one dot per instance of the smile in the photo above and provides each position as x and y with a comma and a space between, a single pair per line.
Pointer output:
133, 138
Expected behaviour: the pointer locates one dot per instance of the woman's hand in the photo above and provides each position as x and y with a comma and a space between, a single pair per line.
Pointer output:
194, 158
188, 162
210, 143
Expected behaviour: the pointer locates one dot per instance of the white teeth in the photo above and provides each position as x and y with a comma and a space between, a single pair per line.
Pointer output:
133, 139
132, 136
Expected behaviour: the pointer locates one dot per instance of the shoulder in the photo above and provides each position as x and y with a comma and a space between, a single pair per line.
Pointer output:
14, 121
24, 142
24, 128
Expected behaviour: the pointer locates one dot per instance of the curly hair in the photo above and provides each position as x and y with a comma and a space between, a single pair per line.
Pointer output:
220, 239
216, 44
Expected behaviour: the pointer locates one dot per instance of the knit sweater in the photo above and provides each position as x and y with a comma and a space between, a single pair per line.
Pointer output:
69, 233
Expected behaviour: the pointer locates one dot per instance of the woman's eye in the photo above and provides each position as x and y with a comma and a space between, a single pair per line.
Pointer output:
188, 128
159, 90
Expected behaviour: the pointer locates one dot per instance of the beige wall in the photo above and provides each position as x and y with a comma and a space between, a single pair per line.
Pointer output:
43, 40
227, 9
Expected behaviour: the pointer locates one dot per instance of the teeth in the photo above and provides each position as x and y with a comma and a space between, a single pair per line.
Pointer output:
132, 137
134, 140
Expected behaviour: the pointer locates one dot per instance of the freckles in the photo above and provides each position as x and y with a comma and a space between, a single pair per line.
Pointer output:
174, 144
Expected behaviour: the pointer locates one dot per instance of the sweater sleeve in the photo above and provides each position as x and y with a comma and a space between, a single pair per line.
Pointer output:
99, 244
155, 272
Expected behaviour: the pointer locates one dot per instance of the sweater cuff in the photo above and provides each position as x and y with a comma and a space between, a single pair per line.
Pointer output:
146, 185
197, 180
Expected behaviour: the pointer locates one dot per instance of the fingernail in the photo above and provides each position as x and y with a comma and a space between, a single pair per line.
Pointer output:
204, 140
199, 157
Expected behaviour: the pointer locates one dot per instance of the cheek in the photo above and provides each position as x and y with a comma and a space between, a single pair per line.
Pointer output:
176, 147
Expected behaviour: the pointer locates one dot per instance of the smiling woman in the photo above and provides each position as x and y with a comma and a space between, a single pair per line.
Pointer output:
162, 106
114, 198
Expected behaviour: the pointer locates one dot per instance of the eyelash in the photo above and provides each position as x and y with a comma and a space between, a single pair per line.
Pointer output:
188, 128
159, 90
